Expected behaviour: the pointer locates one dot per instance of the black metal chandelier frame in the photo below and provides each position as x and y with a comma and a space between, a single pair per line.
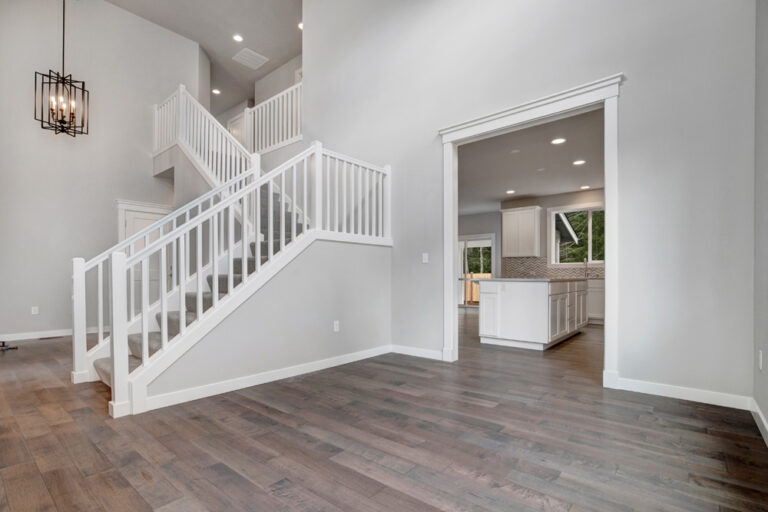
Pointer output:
62, 104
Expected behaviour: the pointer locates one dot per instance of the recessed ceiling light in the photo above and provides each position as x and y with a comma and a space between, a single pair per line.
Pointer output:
557, 141
216, 91
510, 191
579, 162
238, 38
584, 187
301, 25
514, 151
540, 169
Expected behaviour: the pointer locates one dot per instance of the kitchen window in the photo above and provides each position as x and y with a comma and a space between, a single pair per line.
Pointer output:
577, 234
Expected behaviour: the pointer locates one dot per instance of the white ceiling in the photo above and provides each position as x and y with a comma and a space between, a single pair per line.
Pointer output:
490, 167
269, 27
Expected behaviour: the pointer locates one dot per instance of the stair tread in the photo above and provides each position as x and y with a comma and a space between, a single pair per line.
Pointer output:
103, 367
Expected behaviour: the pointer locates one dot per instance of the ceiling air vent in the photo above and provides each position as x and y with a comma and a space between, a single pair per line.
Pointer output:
250, 58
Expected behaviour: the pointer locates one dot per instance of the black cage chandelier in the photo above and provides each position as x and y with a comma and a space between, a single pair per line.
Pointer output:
61, 103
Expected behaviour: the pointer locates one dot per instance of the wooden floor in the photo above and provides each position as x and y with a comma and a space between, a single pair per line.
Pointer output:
500, 430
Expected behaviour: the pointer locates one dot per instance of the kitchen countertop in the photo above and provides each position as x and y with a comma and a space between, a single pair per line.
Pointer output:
530, 279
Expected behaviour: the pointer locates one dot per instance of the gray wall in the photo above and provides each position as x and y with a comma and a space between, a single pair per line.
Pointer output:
580, 197
290, 320
204, 79
482, 223
381, 78
277, 81
761, 208
57, 194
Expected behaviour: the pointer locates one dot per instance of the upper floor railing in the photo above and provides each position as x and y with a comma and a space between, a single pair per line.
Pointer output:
182, 118
275, 122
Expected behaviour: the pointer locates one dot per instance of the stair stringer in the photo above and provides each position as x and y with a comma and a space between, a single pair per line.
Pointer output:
143, 376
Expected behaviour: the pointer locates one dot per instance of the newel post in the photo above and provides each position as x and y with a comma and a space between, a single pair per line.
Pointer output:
79, 346
317, 147
388, 201
119, 405
180, 107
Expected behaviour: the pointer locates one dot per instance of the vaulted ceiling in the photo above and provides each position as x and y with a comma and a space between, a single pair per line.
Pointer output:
268, 27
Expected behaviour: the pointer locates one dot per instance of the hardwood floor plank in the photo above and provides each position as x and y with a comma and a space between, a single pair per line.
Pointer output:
500, 429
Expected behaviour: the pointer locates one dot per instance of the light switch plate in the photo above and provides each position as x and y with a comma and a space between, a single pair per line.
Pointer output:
336, 326
425, 257
35, 310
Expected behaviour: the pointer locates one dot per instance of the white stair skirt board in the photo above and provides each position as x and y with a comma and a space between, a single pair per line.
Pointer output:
761, 420
426, 353
614, 381
216, 388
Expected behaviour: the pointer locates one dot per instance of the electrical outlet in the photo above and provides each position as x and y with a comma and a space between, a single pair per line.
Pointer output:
336, 326
760, 359
35, 310
425, 257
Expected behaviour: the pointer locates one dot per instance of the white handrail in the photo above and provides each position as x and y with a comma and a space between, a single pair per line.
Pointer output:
275, 122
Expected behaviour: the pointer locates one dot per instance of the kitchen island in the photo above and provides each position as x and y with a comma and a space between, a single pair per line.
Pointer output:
532, 313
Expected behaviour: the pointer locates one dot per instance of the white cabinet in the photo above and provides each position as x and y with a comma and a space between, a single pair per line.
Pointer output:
521, 232
596, 300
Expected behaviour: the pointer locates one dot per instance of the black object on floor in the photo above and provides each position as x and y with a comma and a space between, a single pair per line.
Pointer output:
4, 347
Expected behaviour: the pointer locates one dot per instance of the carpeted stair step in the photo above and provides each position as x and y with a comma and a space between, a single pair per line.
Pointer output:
191, 300
224, 282
103, 368
173, 322
134, 343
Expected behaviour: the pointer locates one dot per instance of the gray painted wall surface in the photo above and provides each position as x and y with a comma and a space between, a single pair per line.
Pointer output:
381, 78
204, 79
289, 321
761, 208
553, 201
481, 223
277, 81
57, 194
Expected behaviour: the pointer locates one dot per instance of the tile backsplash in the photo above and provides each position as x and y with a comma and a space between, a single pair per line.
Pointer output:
537, 267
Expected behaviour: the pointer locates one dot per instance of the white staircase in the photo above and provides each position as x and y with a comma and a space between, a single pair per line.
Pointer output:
151, 298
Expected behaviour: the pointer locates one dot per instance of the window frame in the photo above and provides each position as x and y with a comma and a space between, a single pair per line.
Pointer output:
551, 217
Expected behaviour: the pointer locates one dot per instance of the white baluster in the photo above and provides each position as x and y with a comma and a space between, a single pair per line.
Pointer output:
199, 258
387, 201
144, 310
294, 202
183, 249
282, 210
215, 260
163, 297
270, 222
231, 250
305, 194
346, 197
317, 148
244, 234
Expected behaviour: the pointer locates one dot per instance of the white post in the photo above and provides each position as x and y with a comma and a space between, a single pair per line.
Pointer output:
387, 200
256, 163
79, 346
156, 130
182, 90
119, 405
248, 130
317, 147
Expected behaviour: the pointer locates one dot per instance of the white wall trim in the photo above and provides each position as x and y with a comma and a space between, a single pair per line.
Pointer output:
216, 388
761, 420
426, 353
603, 92
704, 396
38, 335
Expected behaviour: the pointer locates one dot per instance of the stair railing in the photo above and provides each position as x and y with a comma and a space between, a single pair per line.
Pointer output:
348, 198
181, 118
275, 122
89, 286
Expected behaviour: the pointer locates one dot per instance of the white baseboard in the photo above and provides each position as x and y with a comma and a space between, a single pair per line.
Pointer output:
613, 380
38, 335
761, 420
426, 353
216, 388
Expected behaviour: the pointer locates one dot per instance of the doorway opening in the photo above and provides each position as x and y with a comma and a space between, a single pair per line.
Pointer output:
601, 95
